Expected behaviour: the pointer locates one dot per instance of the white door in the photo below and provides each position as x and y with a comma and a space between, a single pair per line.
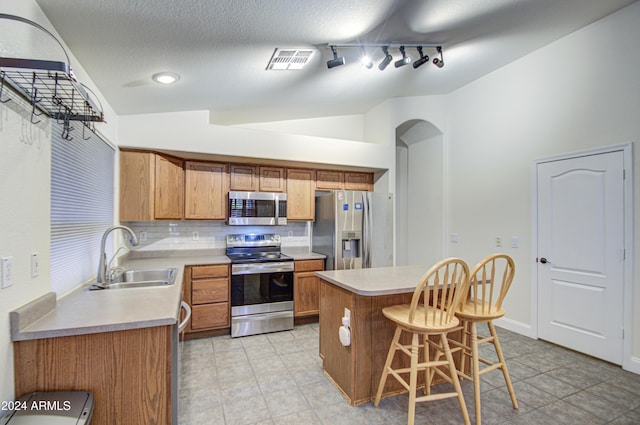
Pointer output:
581, 253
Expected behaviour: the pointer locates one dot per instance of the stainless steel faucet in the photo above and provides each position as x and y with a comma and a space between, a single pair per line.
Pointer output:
103, 274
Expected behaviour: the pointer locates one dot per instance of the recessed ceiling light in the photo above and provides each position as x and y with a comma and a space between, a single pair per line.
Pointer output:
165, 77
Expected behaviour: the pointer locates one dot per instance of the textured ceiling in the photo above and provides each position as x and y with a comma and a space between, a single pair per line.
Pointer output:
220, 48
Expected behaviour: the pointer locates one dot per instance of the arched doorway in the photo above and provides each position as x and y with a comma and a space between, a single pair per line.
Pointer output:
419, 193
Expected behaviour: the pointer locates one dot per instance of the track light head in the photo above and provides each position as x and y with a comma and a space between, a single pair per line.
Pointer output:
366, 61
336, 61
405, 59
387, 59
439, 62
423, 59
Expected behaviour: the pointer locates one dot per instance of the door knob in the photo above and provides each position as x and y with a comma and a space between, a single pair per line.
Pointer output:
543, 260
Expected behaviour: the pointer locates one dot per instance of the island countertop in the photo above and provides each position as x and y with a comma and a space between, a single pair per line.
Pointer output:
376, 281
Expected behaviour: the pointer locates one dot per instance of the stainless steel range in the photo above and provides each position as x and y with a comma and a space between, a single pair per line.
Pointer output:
261, 285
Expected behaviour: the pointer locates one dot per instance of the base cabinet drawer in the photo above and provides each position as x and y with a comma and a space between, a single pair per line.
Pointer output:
209, 291
209, 316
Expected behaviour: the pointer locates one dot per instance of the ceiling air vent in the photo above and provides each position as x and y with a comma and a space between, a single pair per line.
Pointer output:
289, 59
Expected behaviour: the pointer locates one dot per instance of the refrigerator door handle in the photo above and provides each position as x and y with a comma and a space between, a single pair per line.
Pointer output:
366, 230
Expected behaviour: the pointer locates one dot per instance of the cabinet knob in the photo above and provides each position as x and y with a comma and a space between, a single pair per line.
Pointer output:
543, 260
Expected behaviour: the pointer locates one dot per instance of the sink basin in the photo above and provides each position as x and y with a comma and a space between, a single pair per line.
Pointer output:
133, 276
141, 279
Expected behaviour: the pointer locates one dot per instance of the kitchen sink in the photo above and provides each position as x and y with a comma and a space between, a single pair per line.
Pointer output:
141, 279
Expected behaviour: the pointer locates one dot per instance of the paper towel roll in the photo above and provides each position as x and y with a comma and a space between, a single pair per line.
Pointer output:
345, 336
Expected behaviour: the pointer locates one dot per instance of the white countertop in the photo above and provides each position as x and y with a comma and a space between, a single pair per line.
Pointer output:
376, 281
85, 312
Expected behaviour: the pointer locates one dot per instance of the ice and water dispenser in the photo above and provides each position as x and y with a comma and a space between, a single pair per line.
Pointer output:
351, 244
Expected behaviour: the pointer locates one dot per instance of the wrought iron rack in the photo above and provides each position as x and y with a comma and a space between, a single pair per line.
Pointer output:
50, 87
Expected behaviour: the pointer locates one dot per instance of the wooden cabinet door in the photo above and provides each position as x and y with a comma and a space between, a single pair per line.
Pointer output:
300, 195
206, 191
243, 177
272, 179
306, 295
137, 171
358, 181
210, 316
169, 188
329, 180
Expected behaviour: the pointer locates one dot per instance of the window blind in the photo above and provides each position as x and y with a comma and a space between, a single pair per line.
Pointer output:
82, 185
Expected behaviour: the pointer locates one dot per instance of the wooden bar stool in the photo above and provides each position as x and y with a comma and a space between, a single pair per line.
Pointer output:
489, 282
431, 313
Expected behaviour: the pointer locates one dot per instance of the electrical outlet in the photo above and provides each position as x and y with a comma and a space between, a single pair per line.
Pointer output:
7, 271
142, 236
454, 237
35, 264
196, 236
515, 242
498, 241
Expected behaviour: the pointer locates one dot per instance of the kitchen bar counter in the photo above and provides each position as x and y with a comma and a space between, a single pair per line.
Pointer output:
87, 312
355, 369
377, 281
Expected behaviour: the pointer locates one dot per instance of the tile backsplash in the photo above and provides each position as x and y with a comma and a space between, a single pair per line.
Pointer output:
173, 235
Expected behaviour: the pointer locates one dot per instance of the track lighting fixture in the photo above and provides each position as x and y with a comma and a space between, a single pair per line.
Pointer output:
439, 62
423, 58
387, 59
336, 61
405, 59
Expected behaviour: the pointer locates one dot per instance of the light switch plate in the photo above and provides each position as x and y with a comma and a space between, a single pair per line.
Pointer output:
35, 264
7, 271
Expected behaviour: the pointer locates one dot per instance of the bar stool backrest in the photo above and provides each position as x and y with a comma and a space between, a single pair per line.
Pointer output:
441, 288
489, 282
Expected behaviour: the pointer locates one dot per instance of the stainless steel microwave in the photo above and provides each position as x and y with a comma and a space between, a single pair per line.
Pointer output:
257, 209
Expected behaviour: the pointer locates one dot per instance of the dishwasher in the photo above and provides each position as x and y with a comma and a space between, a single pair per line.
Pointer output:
51, 408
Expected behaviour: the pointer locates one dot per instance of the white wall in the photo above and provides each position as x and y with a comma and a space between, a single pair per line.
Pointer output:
192, 132
348, 127
25, 184
25, 157
425, 201
578, 93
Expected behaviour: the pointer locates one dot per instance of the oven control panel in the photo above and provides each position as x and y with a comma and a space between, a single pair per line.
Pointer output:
253, 240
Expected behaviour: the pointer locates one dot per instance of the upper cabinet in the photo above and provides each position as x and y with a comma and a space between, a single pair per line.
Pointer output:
358, 181
343, 180
329, 180
243, 177
301, 185
151, 187
272, 179
156, 186
206, 190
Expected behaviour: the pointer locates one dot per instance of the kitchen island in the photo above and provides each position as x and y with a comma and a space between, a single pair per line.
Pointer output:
356, 369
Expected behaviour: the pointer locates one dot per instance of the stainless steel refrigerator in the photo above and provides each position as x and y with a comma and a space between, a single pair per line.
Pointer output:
354, 229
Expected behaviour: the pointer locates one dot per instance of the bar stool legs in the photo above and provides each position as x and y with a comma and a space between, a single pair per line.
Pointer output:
429, 366
469, 346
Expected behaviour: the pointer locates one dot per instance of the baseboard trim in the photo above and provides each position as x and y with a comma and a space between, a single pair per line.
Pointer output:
632, 365
515, 326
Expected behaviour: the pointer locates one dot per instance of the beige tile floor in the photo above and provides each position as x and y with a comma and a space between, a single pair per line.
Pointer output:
276, 379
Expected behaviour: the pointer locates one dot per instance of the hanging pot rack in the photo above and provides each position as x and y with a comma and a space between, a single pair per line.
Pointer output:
49, 86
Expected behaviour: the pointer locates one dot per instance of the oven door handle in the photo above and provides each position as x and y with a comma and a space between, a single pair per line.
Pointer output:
284, 267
